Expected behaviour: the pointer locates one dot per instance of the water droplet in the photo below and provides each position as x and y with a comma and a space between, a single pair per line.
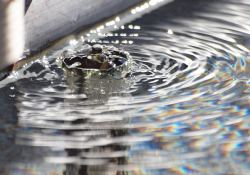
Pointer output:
103, 91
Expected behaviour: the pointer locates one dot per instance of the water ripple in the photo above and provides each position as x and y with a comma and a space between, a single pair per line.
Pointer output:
183, 108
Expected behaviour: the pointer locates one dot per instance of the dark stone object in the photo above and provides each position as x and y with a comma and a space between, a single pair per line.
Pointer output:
96, 59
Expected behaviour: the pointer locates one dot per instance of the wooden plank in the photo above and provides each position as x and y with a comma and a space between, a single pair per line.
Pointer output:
52, 19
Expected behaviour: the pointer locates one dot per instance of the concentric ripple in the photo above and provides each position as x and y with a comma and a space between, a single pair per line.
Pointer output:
184, 108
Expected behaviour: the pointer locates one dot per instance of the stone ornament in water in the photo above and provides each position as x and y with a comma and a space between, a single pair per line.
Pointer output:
96, 60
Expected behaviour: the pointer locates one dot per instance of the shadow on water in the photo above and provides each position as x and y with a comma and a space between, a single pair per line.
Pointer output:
98, 90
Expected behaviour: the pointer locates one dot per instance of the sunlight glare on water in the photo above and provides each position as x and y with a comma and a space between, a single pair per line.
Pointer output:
184, 109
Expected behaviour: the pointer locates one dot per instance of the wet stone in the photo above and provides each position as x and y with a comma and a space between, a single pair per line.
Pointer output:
72, 60
99, 58
123, 54
119, 61
89, 64
115, 52
107, 53
107, 65
97, 48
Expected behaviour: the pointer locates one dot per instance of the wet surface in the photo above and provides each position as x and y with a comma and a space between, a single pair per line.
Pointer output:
184, 109
89, 61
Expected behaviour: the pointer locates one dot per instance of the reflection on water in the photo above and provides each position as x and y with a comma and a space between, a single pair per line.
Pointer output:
184, 109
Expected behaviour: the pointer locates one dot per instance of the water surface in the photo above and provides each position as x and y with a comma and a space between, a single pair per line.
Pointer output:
184, 109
